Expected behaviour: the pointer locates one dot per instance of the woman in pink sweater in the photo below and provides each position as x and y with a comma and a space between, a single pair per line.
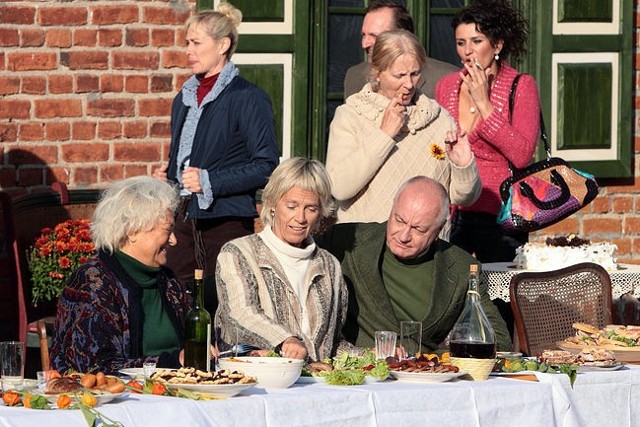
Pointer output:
487, 33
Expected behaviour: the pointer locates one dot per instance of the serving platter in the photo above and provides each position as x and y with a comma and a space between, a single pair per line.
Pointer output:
102, 397
139, 372
426, 377
319, 379
622, 354
216, 390
597, 368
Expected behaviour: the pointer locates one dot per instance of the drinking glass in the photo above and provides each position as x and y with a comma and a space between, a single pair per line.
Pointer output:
385, 344
12, 356
42, 378
410, 338
149, 368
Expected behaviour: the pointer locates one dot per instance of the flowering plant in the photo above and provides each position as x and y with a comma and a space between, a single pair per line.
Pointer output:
57, 253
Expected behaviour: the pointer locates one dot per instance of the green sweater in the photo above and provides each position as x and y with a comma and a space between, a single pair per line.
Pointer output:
158, 334
360, 248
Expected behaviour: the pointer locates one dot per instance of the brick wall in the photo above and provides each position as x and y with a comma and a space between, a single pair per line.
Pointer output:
85, 91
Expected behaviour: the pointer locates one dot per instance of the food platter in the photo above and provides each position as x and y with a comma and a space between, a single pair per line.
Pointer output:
426, 377
622, 354
216, 390
102, 397
139, 372
599, 368
319, 379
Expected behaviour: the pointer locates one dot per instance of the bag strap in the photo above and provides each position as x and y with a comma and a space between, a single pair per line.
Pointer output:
543, 130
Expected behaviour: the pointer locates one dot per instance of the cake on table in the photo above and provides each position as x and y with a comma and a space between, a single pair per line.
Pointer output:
560, 252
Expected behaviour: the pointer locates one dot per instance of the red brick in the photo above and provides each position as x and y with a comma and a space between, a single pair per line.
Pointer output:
174, 58
18, 61
601, 225
87, 83
111, 108
31, 131
56, 108
14, 109
601, 204
154, 107
623, 185
17, 15
60, 83
135, 60
165, 15
85, 37
85, 60
137, 37
111, 83
62, 16
58, 38
136, 152
34, 154
57, 131
162, 37
135, 170
31, 37
85, 175
160, 130
623, 204
624, 244
32, 176
181, 37
105, 15
109, 130
636, 247
137, 84
9, 37
57, 174
136, 129
632, 225
162, 83
110, 173
83, 153
2, 64
9, 85
8, 133
109, 38
180, 79
566, 226
83, 130
33, 85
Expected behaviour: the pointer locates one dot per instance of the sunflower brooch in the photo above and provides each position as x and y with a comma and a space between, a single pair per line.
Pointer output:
436, 151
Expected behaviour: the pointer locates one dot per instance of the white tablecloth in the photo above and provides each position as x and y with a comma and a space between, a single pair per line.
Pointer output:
499, 274
597, 399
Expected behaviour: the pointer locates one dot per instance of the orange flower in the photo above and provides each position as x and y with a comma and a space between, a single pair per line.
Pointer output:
64, 262
159, 389
11, 398
436, 151
88, 399
26, 401
64, 401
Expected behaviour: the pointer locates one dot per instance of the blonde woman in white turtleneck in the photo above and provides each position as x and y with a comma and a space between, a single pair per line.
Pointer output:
277, 289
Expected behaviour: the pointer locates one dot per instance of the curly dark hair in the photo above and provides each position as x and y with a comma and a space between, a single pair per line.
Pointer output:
497, 20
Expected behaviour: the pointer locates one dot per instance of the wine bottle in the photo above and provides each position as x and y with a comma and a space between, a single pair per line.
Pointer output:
197, 346
472, 335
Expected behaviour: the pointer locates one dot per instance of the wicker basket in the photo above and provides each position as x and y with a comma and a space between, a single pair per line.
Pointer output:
479, 369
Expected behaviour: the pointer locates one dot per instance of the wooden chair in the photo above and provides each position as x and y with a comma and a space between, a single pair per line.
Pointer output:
24, 217
546, 304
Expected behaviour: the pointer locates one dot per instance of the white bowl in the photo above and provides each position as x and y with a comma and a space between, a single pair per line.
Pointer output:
271, 372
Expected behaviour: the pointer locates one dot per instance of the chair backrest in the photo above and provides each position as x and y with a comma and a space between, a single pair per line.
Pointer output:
24, 218
546, 304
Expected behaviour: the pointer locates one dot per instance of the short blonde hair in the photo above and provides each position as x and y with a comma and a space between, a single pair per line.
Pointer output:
128, 206
307, 174
218, 24
390, 45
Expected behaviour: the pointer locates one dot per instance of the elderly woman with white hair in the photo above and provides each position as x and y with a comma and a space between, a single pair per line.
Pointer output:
277, 289
123, 307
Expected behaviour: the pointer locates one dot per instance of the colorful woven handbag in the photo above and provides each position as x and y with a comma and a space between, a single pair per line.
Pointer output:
544, 192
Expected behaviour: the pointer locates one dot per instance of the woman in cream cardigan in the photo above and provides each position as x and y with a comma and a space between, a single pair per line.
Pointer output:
390, 132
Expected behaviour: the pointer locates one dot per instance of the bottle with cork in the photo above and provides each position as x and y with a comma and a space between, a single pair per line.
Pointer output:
197, 346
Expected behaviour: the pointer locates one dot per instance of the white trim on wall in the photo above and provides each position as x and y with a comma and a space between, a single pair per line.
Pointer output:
588, 28
268, 27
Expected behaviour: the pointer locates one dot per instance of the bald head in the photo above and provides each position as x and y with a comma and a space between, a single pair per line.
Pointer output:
419, 211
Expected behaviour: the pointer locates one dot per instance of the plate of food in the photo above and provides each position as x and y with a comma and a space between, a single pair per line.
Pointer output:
346, 369
138, 372
102, 397
218, 383
588, 367
622, 341
216, 390
426, 377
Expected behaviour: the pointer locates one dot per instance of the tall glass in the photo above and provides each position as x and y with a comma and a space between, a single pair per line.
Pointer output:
385, 344
12, 357
410, 339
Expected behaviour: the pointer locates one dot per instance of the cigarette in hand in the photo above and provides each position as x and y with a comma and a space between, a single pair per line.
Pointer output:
477, 63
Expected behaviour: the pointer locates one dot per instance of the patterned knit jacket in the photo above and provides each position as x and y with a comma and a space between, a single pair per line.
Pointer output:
367, 166
259, 305
99, 322
495, 140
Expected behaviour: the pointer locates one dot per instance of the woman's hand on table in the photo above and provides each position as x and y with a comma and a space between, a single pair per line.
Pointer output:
458, 148
191, 179
160, 172
394, 117
293, 348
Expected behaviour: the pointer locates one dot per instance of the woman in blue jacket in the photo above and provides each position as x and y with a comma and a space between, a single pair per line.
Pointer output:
223, 147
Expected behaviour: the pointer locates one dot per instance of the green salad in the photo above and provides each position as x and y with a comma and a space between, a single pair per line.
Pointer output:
351, 369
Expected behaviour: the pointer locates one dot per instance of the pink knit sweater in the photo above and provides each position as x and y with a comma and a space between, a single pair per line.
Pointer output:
495, 140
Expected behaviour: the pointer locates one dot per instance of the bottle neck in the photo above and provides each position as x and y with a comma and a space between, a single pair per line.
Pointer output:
198, 290
473, 291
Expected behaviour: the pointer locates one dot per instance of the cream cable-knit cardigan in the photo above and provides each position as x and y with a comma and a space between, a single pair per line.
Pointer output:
366, 166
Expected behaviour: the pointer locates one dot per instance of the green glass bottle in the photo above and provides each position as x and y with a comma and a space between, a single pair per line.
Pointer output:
197, 346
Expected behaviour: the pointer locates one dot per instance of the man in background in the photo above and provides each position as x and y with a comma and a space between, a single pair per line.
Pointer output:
386, 15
